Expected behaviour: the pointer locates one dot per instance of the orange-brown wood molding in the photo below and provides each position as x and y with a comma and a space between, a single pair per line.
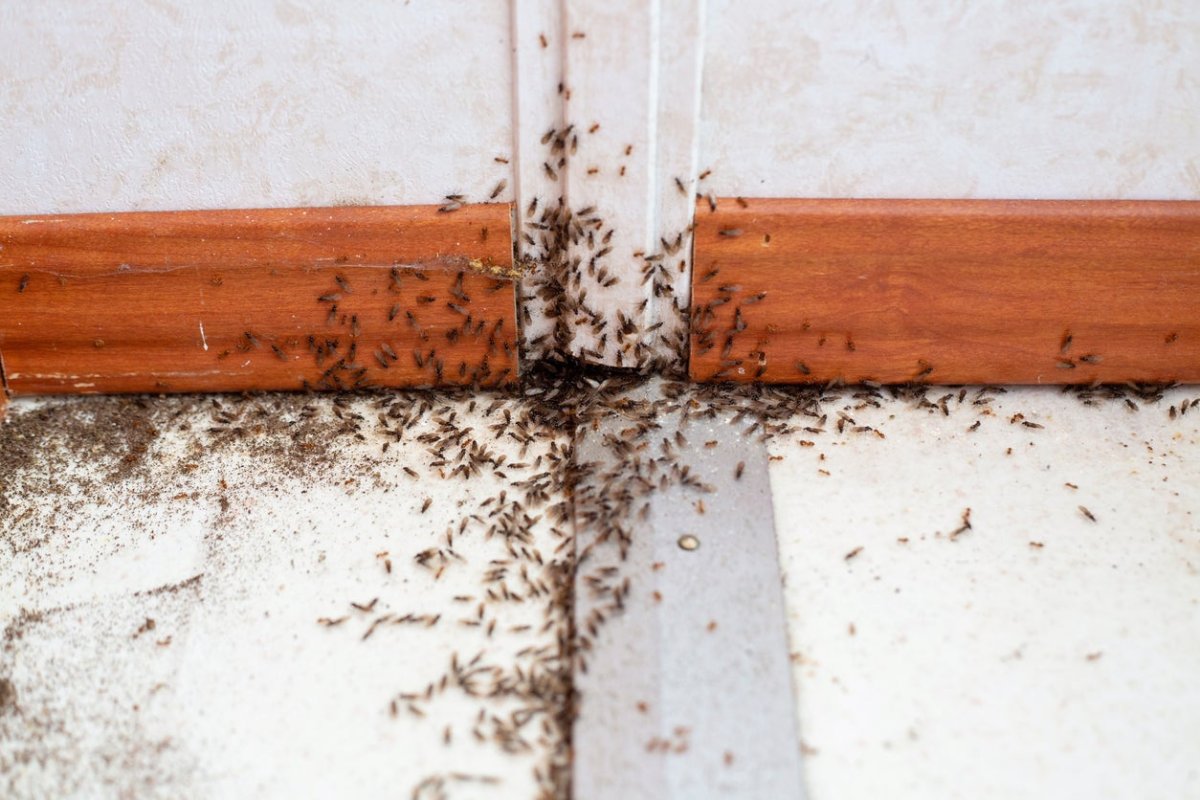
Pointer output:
946, 291
323, 298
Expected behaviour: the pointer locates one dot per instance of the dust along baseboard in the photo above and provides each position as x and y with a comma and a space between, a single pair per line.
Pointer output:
946, 291
323, 298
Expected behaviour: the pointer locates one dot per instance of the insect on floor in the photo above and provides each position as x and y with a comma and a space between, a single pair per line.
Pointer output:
999, 599
289, 595
282, 595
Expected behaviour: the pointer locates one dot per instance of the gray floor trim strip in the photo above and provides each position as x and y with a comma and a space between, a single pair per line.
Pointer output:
687, 692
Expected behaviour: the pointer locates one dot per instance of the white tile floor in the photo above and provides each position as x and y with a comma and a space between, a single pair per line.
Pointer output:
973, 665
238, 690
1037, 654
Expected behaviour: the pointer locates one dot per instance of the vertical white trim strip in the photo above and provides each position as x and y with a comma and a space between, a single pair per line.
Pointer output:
608, 65
613, 262
677, 131
537, 49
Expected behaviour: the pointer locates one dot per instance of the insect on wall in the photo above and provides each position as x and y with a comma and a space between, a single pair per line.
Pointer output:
575, 274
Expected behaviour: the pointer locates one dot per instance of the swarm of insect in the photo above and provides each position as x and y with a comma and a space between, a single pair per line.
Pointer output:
572, 264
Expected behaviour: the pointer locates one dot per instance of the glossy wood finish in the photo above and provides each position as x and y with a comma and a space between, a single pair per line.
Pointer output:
328, 298
946, 291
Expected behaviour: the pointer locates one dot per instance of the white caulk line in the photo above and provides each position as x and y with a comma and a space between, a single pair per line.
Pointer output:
203, 339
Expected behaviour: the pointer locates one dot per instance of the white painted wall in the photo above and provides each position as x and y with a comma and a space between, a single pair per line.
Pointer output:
167, 104
1078, 99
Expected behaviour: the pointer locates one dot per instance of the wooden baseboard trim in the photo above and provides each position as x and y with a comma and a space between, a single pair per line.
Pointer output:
323, 298
946, 291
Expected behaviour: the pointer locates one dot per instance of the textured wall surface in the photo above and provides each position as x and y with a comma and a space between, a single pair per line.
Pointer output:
166, 104
1078, 99
155, 104
158, 104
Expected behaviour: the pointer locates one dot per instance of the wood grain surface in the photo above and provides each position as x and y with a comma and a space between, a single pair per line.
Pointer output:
322, 298
946, 291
